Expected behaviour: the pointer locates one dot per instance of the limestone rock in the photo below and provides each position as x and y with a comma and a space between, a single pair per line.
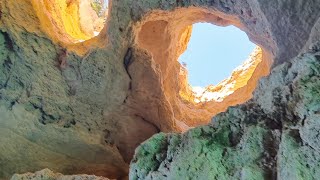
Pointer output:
51, 108
273, 136
77, 106
48, 174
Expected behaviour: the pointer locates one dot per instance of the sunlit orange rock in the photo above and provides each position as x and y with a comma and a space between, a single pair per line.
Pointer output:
81, 104
234, 90
64, 21
61, 15
166, 36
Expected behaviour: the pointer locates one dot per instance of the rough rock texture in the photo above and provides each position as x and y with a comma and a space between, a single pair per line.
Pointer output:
52, 101
272, 136
49, 175
163, 34
84, 107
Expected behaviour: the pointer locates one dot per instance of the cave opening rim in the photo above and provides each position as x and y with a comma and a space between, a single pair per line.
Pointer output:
171, 25
77, 21
200, 93
106, 9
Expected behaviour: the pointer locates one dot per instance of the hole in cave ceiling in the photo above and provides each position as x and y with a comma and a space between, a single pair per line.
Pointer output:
214, 52
213, 56
92, 17
79, 20
167, 38
100, 8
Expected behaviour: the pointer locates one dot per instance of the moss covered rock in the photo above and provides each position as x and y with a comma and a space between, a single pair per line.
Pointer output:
273, 136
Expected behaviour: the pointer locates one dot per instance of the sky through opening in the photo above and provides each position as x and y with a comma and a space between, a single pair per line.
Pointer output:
214, 52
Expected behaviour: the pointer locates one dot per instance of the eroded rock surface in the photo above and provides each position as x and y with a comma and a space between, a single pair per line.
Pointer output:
273, 136
48, 174
83, 107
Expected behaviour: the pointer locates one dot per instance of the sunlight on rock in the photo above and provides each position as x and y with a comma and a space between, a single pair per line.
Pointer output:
165, 41
79, 104
72, 21
238, 79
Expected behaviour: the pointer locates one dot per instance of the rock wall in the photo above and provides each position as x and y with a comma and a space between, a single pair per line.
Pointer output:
83, 107
53, 96
272, 136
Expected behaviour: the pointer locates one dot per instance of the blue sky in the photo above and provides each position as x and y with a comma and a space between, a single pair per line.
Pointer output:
214, 52
106, 3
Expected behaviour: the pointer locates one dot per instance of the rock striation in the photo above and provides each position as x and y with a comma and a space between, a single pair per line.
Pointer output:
79, 104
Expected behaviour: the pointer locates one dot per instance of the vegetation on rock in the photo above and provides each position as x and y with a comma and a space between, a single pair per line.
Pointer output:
248, 141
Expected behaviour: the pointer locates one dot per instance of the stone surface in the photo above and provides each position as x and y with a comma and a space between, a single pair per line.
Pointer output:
272, 136
48, 174
82, 107
53, 101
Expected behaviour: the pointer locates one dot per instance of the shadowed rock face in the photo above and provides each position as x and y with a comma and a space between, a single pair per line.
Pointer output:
84, 107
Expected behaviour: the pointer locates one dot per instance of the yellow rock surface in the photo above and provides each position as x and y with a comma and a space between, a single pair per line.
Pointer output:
63, 21
166, 37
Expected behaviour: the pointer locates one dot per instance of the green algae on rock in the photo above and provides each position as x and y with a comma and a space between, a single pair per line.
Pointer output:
273, 136
83, 107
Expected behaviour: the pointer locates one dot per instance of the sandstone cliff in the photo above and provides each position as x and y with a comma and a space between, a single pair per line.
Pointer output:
80, 104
